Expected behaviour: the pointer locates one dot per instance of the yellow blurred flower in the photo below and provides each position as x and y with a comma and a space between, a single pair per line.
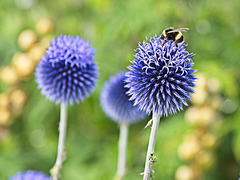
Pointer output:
26, 39
36, 52
4, 100
5, 116
23, 64
189, 149
184, 173
44, 26
200, 116
8, 75
206, 159
18, 99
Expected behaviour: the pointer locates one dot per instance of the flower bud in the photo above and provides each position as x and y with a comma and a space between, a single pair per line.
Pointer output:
161, 77
45, 41
200, 116
213, 85
8, 75
216, 102
23, 64
200, 96
115, 102
188, 150
18, 99
184, 173
67, 72
36, 52
4, 100
209, 141
206, 159
201, 82
5, 117
44, 26
26, 39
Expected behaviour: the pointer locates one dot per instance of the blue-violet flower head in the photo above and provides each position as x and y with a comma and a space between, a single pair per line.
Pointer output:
161, 78
115, 102
30, 175
67, 72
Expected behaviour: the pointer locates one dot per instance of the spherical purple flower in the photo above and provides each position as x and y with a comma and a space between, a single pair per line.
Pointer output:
67, 72
30, 175
161, 77
115, 102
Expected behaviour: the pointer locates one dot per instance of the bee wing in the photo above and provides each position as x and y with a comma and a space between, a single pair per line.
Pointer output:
183, 29
179, 29
175, 30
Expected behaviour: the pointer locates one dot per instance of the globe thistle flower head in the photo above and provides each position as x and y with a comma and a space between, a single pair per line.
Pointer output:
67, 72
161, 77
115, 102
30, 175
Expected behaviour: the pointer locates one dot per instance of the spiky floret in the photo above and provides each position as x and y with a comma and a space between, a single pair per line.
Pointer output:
30, 175
67, 72
161, 77
115, 102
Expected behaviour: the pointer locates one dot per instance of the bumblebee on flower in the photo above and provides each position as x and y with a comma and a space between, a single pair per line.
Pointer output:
160, 81
161, 77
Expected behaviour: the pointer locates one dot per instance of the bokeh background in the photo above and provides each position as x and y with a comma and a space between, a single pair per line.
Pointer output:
203, 141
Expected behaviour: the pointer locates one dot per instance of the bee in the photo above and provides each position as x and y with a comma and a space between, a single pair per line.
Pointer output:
174, 35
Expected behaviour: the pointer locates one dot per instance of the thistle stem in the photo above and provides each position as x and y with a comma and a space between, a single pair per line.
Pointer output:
151, 146
122, 147
61, 154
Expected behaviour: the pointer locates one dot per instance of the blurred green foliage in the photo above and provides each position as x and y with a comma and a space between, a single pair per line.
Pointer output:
115, 28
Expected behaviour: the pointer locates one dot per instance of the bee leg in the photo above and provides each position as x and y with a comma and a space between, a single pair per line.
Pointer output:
176, 43
163, 42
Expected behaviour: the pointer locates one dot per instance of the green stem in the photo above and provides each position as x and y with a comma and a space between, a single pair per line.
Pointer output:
151, 146
61, 154
122, 148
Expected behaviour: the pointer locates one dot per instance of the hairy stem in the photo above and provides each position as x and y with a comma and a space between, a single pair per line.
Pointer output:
122, 148
61, 154
151, 146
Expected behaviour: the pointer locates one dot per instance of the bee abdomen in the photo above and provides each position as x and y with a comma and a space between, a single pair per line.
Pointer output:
179, 40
